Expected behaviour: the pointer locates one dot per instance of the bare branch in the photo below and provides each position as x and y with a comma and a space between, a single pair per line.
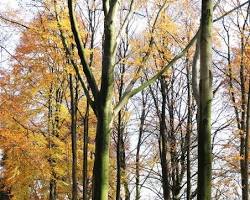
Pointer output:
131, 93
13, 22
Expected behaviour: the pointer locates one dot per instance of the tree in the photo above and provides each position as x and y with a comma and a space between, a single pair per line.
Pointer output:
102, 103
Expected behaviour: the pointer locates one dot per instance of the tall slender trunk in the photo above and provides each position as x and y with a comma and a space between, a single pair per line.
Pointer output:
163, 143
73, 137
52, 183
120, 149
120, 130
123, 171
175, 178
137, 162
188, 134
244, 149
244, 175
118, 157
204, 130
85, 152
247, 146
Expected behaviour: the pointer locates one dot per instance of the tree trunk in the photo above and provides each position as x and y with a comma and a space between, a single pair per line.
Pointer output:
120, 130
175, 178
244, 175
123, 171
101, 164
204, 130
246, 195
73, 137
137, 162
120, 148
52, 190
52, 183
121, 162
163, 144
104, 118
118, 158
85, 153
104, 105
188, 134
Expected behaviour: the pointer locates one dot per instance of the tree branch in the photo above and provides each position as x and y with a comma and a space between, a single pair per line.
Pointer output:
68, 55
144, 59
230, 11
131, 93
13, 22
80, 48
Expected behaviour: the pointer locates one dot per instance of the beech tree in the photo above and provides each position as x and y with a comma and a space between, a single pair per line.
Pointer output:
102, 97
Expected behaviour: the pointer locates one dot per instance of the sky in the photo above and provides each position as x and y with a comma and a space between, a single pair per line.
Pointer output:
9, 36
8, 4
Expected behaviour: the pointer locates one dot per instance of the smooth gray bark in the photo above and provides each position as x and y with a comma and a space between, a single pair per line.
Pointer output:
204, 128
